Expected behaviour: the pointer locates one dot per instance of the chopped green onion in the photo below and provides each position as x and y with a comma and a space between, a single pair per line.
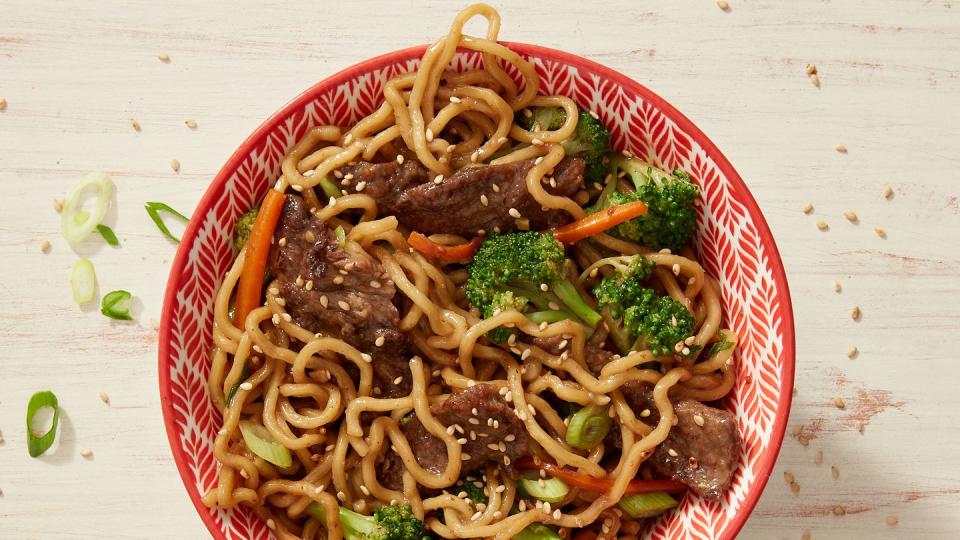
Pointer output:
116, 305
548, 316
646, 505
261, 443
551, 490
329, 188
588, 427
83, 281
154, 209
537, 531
75, 223
244, 373
108, 235
341, 236
38, 444
718, 346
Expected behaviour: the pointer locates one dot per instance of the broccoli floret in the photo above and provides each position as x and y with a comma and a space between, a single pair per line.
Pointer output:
591, 140
671, 217
474, 492
391, 522
510, 271
641, 318
241, 230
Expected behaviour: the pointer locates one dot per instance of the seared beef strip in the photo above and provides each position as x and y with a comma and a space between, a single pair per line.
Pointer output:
340, 292
706, 455
493, 424
454, 205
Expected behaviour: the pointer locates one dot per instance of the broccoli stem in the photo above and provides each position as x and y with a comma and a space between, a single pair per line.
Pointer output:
618, 334
357, 524
568, 294
548, 316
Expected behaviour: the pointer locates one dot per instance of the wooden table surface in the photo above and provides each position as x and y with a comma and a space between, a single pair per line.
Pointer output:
74, 74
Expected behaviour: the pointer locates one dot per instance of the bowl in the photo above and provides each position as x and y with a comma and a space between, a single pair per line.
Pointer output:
733, 241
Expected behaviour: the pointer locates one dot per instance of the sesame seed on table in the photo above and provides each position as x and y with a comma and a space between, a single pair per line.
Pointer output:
848, 106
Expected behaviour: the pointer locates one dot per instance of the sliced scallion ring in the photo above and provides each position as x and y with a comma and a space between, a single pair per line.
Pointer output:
83, 281
588, 427
77, 223
38, 444
116, 305
261, 443
551, 490
154, 209
108, 235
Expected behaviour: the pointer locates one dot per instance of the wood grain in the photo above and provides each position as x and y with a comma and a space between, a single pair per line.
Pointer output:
74, 74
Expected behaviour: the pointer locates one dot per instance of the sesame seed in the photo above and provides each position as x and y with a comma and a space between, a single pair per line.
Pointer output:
822, 225
246, 386
788, 477
454, 99
365, 490
851, 216
449, 430
887, 192
324, 301
525, 354
104, 397
86, 452
347, 139
343, 305
536, 142
838, 403
360, 185
45, 246
834, 472
807, 208
840, 148
338, 280
685, 351
811, 69
815, 79
483, 200
698, 420
723, 5
839, 511
58, 205
191, 123
429, 135
464, 456
286, 317
795, 488
855, 313
892, 521
273, 290
474, 421
163, 57
672, 452
557, 514
400, 159
275, 319
438, 179
553, 305
281, 302
880, 231
676, 269
257, 348
818, 458
837, 287
341, 495
853, 352
594, 115
380, 341
645, 413
461, 441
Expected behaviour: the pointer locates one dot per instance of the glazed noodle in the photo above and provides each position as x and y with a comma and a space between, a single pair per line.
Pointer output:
290, 391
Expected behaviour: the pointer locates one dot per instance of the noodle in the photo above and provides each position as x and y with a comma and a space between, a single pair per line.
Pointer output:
315, 394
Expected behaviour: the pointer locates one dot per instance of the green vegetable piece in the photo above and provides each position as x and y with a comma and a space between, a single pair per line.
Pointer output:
83, 281
261, 443
537, 531
588, 426
390, 522
551, 490
154, 209
341, 236
590, 141
116, 305
474, 492
108, 235
242, 228
718, 346
329, 188
244, 373
38, 444
647, 505
75, 223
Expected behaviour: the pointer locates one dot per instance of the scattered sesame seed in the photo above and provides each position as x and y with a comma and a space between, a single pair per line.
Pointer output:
347, 139
818, 459
400, 159
698, 420
272, 525
815, 79
324, 301
343, 305
429, 135
672, 452
723, 5
837, 287
286, 317
380, 341
514, 212
104, 397
807, 208
645, 413
892, 521
881, 232
822, 225
839, 511
834, 472
58, 205
788, 477
853, 352
536, 142
438, 179
887, 192
191, 123
484, 200
855, 313
594, 115
851, 216
840, 148
86, 452
338, 280
795, 488
246, 385
811, 69
464, 456
164, 57
557, 514
175, 165
365, 490
676, 269
275, 319
45, 246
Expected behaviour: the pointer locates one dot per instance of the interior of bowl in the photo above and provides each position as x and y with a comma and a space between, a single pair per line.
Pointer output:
733, 241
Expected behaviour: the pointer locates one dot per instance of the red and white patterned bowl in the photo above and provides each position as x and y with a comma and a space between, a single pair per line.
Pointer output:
734, 243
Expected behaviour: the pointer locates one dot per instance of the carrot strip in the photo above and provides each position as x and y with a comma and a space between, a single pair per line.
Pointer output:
432, 249
250, 285
601, 485
599, 222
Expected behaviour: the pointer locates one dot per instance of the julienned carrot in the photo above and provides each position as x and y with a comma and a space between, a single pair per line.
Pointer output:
460, 252
599, 222
601, 485
250, 286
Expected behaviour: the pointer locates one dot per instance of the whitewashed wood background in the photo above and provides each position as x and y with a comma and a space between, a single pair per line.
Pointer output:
74, 74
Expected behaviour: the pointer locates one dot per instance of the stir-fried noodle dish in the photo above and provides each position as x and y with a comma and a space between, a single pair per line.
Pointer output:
467, 316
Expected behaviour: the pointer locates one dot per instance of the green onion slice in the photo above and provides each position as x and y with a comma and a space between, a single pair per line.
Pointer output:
38, 444
341, 236
261, 443
645, 505
588, 427
83, 281
551, 490
154, 209
537, 531
329, 188
116, 305
76, 223
108, 235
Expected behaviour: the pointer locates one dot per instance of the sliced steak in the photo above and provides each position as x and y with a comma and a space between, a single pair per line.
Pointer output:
349, 294
494, 426
706, 455
454, 205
